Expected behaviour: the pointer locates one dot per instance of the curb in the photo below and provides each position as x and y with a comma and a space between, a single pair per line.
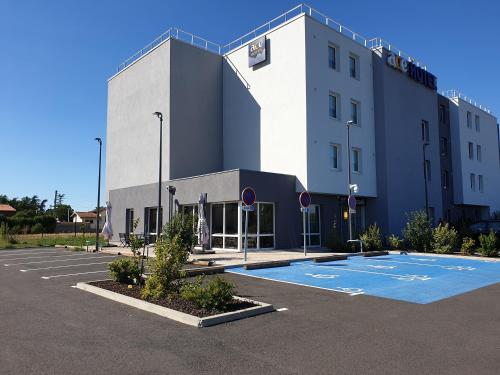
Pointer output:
178, 316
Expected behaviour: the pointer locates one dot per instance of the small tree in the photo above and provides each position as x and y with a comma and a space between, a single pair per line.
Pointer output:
488, 244
395, 242
371, 238
418, 231
180, 225
468, 245
167, 272
444, 239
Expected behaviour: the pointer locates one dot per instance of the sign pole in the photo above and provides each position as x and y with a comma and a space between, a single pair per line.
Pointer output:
304, 224
246, 234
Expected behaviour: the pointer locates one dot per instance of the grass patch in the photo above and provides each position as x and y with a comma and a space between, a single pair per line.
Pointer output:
49, 240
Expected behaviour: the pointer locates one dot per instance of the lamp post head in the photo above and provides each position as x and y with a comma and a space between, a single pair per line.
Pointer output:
159, 115
98, 140
350, 122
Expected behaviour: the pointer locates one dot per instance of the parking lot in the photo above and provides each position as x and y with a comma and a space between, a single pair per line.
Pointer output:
50, 328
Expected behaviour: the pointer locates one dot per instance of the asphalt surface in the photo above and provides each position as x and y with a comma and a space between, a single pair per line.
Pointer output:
47, 327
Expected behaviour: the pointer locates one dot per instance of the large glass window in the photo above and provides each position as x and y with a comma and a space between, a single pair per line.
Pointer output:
225, 225
260, 226
313, 226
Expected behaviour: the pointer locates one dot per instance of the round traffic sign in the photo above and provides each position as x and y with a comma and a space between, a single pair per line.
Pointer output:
352, 202
248, 196
305, 199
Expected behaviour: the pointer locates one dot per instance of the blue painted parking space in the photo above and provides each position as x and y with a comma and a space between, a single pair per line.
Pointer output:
411, 278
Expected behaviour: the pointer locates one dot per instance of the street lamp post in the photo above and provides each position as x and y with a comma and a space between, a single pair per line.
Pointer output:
98, 196
424, 145
349, 123
158, 211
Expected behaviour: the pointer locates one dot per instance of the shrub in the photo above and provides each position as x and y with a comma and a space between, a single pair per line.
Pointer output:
444, 239
371, 238
124, 270
214, 295
418, 232
395, 242
468, 245
37, 228
47, 221
488, 244
181, 226
167, 272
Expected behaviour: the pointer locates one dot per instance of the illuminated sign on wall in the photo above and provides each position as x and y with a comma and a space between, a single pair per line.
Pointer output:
257, 51
413, 71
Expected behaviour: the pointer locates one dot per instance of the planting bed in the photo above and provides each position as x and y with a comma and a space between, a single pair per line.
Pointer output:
174, 303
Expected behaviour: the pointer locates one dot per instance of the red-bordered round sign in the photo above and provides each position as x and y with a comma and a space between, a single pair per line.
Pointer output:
305, 199
248, 196
352, 202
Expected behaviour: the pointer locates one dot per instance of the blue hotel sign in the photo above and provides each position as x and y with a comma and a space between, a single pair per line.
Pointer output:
413, 71
257, 51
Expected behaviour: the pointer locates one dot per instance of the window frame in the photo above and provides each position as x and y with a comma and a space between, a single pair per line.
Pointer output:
258, 235
336, 65
480, 183
470, 148
469, 119
479, 153
473, 181
308, 226
355, 58
334, 148
356, 150
477, 123
336, 96
357, 104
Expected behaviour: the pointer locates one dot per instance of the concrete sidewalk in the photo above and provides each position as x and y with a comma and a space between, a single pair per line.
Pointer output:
233, 258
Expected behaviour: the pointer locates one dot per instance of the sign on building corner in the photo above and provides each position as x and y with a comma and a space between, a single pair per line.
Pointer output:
413, 71
257, 51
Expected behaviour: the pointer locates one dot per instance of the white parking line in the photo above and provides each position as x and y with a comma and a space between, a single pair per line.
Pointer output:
60, 260
71, 274
66, 266
47, 256
38, 252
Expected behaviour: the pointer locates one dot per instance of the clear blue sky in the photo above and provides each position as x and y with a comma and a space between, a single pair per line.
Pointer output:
55, 58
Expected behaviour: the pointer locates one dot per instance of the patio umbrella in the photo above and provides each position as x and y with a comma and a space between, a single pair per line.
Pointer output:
202, 222
107, 230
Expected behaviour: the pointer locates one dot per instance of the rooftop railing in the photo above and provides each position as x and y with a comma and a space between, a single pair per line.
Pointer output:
379, 42
175, 33
452, 94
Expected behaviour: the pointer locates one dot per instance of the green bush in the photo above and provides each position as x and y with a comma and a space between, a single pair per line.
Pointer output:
395, 242
444, 239
468, 245
372, 240
47, 221
167, 271
125, 270
418, 231
216, 294
488, 244
37, 228
181, 226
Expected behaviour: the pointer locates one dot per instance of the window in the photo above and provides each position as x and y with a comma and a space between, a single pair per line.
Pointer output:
225, 225
335, 156
313, 225
478, 125
150, 214
444, 146
353, 66
472, 181
479, 154
356, 160
442, 111
355, 112
260, 226
480, 183
471, 151
425, 131
446, 179
428, 170
332, 57
332, 106
469, 119
129, 220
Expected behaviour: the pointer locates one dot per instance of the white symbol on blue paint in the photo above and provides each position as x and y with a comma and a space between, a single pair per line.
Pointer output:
459, 268
322, 276
412, 277
381, 267
425, 259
